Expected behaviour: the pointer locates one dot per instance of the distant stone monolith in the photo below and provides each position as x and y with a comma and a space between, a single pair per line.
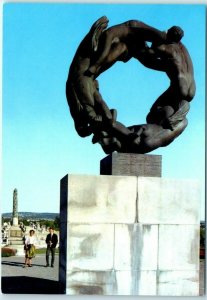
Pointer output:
15, 209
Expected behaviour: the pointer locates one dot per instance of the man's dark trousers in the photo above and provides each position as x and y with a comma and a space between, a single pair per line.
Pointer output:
52, 250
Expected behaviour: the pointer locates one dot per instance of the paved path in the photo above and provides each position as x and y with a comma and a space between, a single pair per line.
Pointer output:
38, 279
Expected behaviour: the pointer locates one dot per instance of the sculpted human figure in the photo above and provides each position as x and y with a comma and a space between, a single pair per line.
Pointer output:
167, 117
173, 58
148, 138
81, 90
153, 136
88, 109
116, 135
120, 42
98, 51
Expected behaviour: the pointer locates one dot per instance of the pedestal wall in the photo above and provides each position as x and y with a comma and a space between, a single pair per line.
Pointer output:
128, 235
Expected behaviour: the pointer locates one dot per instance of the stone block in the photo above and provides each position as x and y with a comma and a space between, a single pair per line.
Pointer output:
168, 201
178, 283
15, 232
111, 283
99, 199
90, 247
178, 247
131, 164
15, 241
123, 235
90, 283
140, 283
140, 244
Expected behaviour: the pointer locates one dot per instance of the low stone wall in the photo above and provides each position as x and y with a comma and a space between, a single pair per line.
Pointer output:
127, 235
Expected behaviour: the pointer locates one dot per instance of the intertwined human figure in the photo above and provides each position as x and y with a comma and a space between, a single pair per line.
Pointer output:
98, 51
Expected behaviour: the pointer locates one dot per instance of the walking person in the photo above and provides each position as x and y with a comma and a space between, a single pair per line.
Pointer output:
29, 247
51, 241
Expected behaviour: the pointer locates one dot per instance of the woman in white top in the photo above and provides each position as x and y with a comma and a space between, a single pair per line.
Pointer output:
29, 248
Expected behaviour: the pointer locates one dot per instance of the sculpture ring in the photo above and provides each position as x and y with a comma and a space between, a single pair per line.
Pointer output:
97, 52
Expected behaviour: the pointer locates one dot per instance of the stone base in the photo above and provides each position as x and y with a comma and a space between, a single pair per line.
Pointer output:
131, 164
20, 249
15, 232
127, 235
15, 239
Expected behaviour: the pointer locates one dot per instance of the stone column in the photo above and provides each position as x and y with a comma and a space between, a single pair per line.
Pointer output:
15, 209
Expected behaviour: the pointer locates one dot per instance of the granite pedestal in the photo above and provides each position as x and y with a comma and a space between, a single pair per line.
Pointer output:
129, 235
129, 164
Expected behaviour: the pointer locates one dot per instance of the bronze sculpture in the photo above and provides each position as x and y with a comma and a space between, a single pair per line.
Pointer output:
103, 47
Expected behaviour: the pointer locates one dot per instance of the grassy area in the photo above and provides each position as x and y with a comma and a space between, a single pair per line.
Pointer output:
43, 251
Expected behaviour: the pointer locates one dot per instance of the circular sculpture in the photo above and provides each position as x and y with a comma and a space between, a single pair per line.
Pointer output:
98, 51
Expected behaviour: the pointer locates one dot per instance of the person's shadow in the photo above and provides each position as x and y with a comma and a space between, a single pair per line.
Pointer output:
18, 264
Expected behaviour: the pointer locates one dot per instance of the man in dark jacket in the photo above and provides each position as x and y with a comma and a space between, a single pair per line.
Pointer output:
51, 241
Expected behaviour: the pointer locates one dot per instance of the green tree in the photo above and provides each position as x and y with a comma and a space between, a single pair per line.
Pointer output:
57, 223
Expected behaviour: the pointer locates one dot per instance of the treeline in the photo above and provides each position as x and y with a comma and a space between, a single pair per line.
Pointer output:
47, 223
33, 215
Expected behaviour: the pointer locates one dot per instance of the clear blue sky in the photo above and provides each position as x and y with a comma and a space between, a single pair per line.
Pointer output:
40, 145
